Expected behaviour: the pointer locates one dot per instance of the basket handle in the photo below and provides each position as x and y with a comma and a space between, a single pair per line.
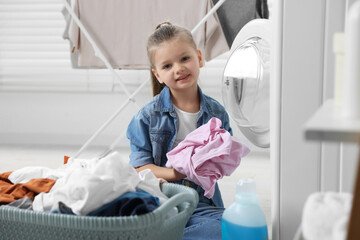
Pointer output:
175, 201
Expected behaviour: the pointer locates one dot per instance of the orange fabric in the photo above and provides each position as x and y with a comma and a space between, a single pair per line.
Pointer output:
66, 159
10, 192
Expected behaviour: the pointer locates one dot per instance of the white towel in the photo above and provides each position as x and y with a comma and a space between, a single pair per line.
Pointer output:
321, 213
340, 229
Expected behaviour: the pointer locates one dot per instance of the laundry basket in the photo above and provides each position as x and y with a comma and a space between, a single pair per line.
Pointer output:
26, 224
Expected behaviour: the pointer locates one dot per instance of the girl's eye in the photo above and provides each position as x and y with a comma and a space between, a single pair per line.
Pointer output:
184, 59
167, 66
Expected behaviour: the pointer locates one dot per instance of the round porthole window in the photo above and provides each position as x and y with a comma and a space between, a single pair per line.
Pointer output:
246, 82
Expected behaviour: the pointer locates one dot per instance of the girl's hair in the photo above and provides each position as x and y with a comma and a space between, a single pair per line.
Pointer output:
164, 32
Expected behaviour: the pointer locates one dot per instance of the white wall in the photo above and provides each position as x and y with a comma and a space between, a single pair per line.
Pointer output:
59, 118
69, 113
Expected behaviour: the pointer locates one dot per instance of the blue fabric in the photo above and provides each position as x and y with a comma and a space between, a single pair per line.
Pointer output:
204, 224
128, 204
64, 209
152, 130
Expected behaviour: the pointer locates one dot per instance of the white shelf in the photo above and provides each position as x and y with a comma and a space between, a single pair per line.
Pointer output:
327, 124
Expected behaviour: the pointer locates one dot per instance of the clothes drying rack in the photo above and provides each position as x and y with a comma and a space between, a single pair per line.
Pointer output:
130, 96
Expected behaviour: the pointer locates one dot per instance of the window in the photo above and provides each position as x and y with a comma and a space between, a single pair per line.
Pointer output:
34, 55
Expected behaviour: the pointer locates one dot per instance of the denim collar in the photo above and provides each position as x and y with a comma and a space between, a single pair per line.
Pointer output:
164, 103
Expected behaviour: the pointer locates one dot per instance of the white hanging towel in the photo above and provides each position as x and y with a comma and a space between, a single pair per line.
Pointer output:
121, 28
325, 215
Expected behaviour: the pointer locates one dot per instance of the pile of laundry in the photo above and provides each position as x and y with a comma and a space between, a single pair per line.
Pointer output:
107, 186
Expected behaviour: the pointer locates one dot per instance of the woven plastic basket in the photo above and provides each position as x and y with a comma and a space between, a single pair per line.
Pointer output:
25, 224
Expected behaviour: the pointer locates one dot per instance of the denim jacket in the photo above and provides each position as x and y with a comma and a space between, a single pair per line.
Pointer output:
152, 130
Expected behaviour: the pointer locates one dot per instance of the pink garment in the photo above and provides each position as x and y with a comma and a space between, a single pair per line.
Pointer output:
206, 155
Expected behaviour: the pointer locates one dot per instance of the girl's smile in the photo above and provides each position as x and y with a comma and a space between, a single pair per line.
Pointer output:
177, 64
183, 78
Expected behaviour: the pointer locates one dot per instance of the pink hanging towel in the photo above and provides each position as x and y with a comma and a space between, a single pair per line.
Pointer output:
206, 155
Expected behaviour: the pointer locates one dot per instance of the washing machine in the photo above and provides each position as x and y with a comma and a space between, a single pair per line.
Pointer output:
246, 82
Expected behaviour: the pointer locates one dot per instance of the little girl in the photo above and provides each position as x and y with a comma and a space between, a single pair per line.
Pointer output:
177, 108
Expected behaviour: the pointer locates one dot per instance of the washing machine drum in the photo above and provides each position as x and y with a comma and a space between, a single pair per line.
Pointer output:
246, 82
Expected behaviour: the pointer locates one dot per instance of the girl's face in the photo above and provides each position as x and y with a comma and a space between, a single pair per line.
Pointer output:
177, 64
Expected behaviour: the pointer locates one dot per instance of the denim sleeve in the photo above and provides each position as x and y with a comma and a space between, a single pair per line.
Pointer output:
226, 123
138, 134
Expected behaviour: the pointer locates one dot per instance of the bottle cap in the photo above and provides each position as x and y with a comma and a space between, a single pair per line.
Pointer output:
246, 185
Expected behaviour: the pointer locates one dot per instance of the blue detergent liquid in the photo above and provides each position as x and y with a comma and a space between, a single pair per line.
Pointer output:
231, 231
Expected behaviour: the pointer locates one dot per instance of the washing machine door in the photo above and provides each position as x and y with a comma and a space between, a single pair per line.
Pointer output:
246, 82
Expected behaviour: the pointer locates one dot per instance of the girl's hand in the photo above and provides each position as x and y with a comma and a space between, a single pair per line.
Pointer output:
169, 174
178, 175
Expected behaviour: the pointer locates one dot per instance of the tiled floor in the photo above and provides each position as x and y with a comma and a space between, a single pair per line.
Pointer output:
256, 165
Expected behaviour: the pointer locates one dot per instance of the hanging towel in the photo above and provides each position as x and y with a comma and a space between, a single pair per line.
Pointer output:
206, 155
322, 213
121, 28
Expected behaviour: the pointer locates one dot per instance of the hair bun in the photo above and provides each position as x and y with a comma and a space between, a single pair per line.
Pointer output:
162, 25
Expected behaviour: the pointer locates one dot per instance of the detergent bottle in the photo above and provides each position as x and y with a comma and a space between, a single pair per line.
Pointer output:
244, 219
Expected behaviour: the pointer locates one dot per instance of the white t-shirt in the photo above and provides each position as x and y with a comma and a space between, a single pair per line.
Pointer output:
186, 124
